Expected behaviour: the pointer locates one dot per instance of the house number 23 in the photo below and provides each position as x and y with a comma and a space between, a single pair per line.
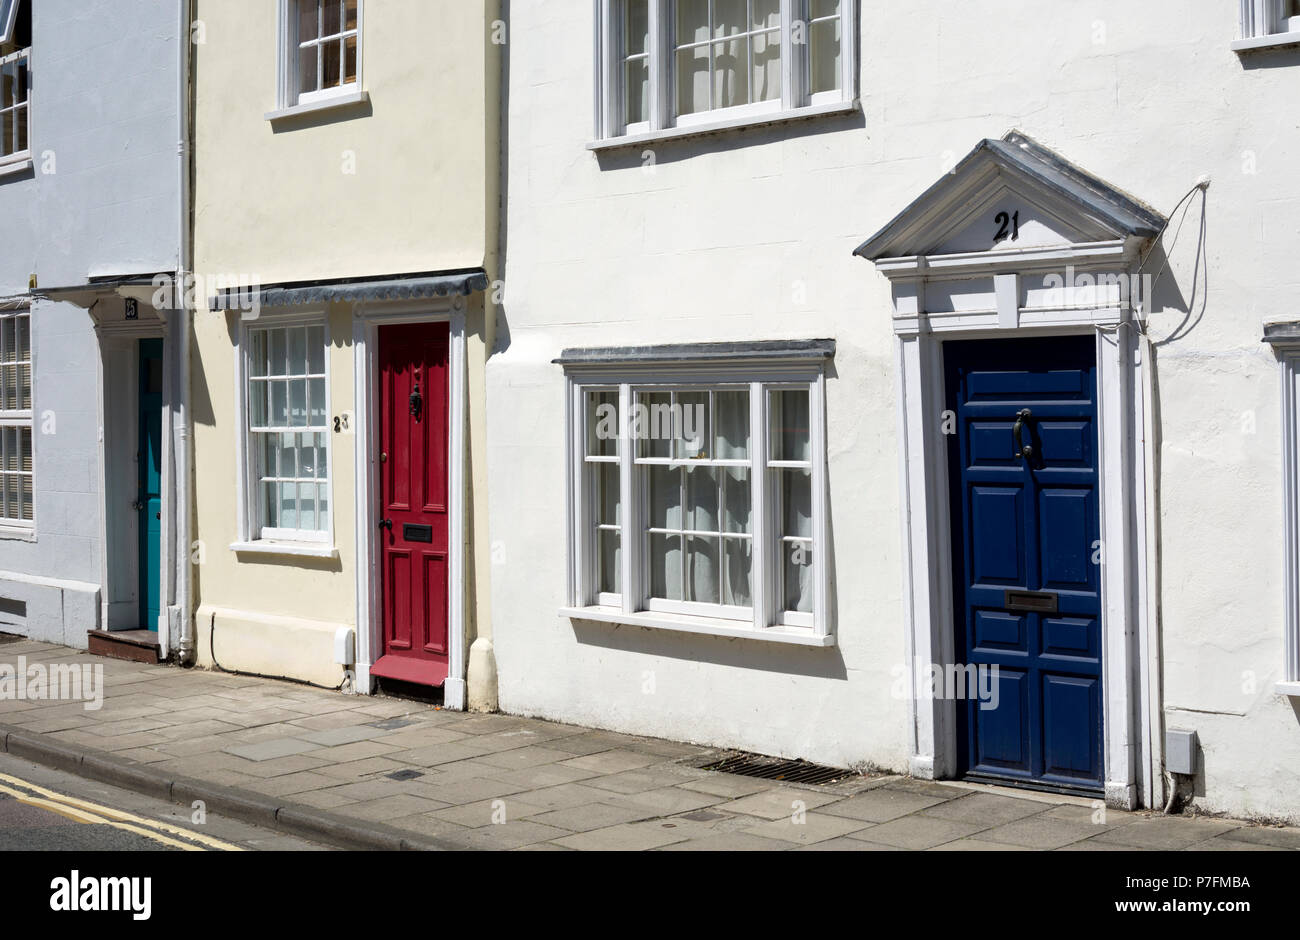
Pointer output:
1009, 225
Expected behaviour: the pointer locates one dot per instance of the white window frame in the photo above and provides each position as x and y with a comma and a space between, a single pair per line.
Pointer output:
796, 101
20, 418
1267, 24
252, 535
19, 159
292, 98
767, 620
1289, 355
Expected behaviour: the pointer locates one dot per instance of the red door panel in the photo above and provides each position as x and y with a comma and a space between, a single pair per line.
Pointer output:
413, 441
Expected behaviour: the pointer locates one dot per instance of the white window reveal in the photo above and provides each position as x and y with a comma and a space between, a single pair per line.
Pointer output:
668, 67
1268, 24
287, 444
320, 53
16, 497
697, 497
15, 85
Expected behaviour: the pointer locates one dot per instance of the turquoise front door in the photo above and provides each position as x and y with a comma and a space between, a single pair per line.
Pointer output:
149, 489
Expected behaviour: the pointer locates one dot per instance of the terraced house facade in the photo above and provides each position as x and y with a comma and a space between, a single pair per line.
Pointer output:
92, 404
345, 237
953, 314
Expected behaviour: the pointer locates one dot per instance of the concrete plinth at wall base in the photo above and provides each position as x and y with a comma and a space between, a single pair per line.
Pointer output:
254, 808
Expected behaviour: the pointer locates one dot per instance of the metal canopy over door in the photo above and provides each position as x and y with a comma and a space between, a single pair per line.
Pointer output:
1026, 553
148, 504
414, 444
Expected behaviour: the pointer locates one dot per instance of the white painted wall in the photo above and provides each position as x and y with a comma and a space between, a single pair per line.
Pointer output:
749, 236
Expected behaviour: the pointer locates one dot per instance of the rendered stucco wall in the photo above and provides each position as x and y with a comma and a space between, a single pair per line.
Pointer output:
100, 200
749, 236
405, 185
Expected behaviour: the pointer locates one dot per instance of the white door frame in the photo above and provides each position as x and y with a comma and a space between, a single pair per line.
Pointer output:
1131, 709
123, 334
366, 323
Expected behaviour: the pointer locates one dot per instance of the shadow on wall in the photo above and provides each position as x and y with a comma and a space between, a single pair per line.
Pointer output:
684, 148
1165, 291
762, 655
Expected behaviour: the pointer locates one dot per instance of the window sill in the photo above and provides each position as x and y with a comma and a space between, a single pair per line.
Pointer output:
286, 549
1289, 689
726, 124
1272, 41
334, 103
13, 533
14, 165
733, 629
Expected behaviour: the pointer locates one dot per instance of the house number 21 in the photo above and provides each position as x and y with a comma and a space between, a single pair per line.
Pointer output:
1010, 226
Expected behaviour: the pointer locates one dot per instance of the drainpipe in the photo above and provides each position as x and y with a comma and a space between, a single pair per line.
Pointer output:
184, 456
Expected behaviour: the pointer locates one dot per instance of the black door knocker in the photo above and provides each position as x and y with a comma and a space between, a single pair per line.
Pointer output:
417, 403
1023, 451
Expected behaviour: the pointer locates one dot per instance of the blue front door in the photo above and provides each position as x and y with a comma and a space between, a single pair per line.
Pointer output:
149, 489
1026, 551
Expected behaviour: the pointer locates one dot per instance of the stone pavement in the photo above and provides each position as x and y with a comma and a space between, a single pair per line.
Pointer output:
384, 773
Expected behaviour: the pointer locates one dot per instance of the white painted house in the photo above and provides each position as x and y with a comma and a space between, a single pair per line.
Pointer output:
981, 324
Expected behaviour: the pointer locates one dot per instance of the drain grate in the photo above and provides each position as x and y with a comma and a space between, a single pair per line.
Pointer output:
774, 768
404, 775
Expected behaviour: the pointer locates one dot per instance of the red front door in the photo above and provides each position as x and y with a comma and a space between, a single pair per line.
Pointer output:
414, 446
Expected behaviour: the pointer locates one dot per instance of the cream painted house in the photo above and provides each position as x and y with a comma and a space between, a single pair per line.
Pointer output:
852, 346
345, 237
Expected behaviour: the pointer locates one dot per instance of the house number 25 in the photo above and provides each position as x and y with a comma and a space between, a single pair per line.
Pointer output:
1009, 226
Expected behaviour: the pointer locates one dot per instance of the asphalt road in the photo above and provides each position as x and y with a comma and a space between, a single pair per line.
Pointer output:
49, 810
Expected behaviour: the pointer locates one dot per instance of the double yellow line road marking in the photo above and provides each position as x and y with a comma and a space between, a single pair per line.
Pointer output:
83, 811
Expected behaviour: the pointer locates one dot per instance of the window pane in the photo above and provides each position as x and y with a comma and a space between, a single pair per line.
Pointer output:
297, 352
308, 72
609, 509
702, 500
271, 505
288, 493
316, 350
821, 8
796, 503
655, 424
665, 498
308, 468
738, 574
798, 577
350, 14
767, 14
8, 84
666, 567
609, 563
277, 362
824, 56
350, 60
308, 20
729, 17
307, 506
691, 418
693, 80
731, 73
288, 455
702, 570
333, 64
319, 406
765, 65
322, 458
737, 500
789, 426
637, 82
732, 425
297, 403
602, 424
257, 353
637, 37
692, 21
322, 508
333, 17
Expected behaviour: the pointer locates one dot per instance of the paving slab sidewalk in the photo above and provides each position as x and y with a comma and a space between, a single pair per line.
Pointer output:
366, 772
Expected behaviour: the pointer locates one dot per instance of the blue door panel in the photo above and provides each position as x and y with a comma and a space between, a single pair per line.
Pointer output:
1003, 731
1071, 706
1028, 526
